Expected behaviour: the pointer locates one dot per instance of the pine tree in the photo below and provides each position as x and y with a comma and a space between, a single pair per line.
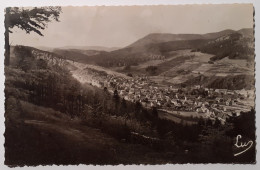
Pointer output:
30, 20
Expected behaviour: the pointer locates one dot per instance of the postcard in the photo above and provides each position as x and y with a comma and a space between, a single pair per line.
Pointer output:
130, 85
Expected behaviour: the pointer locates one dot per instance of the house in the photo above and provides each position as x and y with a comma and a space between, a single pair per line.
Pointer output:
131, 91
126, 97
229, 102
236, 113
199, 110
204, 109
219, 100
222, 121
229, 92
143, 90
210, 114
243, 92
224, 91
190, 102
197, 86
144, 104
173, 101
153, 104
154, 97
199, 104
122, 92
250, 93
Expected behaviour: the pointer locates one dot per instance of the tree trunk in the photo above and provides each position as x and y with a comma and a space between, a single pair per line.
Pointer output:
7, 48
7, 45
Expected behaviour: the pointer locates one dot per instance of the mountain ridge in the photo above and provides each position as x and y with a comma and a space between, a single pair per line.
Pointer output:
160, 44
166, 37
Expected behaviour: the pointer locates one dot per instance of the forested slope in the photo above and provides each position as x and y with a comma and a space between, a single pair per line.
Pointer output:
53, 119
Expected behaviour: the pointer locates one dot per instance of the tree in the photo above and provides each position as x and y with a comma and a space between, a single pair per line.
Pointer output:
138, 108
34, 19
123, 106
155, 112
24, 58
116, 96
216, 144
116, 101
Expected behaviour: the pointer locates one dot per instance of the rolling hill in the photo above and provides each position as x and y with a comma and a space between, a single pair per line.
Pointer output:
96, 48
239, 45
81, 48
159, 45
160, 38
79, 55
222, 57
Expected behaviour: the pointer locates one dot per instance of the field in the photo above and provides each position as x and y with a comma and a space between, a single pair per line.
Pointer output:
183, 65
176, 69
185, 118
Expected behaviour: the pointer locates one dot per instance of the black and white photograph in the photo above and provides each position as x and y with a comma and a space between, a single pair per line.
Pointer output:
129, 85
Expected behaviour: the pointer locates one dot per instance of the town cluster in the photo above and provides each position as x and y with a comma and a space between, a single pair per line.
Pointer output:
203, 102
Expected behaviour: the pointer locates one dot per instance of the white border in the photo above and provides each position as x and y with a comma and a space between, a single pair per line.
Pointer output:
5, 3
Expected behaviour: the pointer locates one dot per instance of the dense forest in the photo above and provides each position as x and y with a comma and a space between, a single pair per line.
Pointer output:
34, 88
235, 46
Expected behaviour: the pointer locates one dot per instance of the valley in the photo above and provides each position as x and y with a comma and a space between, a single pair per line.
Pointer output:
164, 91
129, 85
172, 73
139, 98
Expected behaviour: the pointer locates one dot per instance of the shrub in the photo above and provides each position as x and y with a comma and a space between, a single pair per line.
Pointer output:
151, 69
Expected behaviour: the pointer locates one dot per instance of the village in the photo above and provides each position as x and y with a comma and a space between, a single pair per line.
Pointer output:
197, 101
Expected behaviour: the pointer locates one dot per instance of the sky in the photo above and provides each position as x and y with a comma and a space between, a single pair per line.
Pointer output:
119, 26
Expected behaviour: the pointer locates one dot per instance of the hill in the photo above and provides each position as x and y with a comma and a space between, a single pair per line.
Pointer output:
234, 44
44, 48
239, 45
96, 48
79, 55
246, 32
83, 48
232, 82
136, 55
161, 37
159, 46
53, 119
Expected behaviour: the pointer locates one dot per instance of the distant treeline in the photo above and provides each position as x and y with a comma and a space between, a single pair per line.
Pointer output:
232, 82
